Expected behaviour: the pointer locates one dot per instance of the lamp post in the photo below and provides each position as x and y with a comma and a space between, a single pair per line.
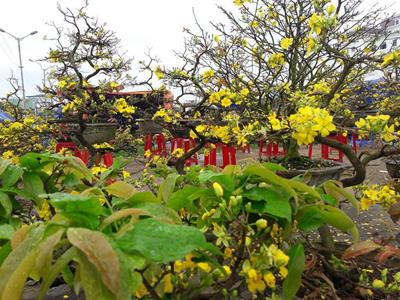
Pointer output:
20, 60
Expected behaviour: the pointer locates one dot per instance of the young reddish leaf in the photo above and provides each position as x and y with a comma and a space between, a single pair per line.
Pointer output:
310, 263
360, 249
100, 253
383, 255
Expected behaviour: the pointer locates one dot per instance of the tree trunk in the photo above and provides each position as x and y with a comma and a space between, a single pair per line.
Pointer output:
292, 149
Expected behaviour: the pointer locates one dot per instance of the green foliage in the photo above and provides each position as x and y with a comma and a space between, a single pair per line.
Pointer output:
114, 241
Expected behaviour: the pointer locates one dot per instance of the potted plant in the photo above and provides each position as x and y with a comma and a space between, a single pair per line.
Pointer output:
87, 75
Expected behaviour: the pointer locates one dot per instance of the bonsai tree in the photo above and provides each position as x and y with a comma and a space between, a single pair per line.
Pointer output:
287, 66
87, 72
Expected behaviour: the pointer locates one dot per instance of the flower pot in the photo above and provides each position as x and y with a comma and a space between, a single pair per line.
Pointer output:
149, 126
96, 133
392, 166
182, 128
321, 175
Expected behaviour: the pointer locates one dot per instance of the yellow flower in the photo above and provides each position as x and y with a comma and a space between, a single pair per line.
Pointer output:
255, 282
8, 154
125, 174
269, 278
286, 43
324, 125
141, 291
330, 10
168, 286
226, 102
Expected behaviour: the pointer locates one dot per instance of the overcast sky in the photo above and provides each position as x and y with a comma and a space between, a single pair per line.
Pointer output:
156, 24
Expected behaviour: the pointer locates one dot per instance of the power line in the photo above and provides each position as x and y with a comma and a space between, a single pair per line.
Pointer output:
10, 51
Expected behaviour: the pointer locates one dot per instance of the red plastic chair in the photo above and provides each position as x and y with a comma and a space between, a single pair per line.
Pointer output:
228, 155
270, 149
331, 153
185, 144
160, 148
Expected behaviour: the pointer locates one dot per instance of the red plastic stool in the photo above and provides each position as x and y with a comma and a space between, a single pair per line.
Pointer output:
245, 148
271, 149
161, 148
327, 152
228, 155
185, 144
69, 146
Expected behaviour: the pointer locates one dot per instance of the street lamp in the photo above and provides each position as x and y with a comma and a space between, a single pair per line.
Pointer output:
20, 60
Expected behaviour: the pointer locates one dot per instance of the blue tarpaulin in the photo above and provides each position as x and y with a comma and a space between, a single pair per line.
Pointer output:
4, 116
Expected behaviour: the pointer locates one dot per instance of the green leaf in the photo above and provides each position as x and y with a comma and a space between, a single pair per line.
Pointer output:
345, 194
273, 167
143, 197
121, 189
336, 218
260, 193
303, 188
180, 198
100, 253
5, 250
74, 203
11, 175
161, 242
71, 180
4, 163
311, 220
295, 270
68, 276
6, 203
33, 184
84, 219
329, 199
45, 257
270, 177
37, 161
279, 207
158, 210
218, 177
6, 231
167, 187
17, 191
17, 266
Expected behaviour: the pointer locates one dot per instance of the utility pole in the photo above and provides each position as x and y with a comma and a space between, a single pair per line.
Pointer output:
20, 60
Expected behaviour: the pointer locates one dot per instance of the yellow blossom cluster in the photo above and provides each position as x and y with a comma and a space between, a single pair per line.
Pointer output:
310, 122
377, 124
383, 195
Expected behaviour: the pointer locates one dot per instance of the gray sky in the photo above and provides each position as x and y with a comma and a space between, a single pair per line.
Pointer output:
156, 24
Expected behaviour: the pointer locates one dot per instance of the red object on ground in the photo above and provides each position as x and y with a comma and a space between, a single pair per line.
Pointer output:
327, 152
160, 146
228, 155
271, 149
185, 144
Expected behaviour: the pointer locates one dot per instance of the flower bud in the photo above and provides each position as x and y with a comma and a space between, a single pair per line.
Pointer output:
234, 293
248, 241
378, 284
219, 192
397, 277
261, 223
225, 292
221, 207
